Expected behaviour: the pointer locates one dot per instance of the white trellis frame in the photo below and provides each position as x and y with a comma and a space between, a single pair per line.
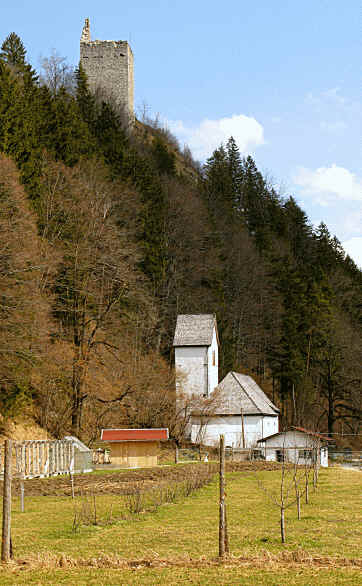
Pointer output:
40, 458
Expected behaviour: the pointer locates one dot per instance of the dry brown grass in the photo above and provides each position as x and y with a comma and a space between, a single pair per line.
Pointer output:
284, 559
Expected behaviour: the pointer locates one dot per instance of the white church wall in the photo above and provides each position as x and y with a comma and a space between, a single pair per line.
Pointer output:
255, 427
191, 369
213, 364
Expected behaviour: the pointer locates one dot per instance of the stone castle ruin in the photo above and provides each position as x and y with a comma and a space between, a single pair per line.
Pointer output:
109, 68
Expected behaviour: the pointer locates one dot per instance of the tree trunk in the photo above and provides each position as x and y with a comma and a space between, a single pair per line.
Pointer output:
331, 414
298, 504
282, 524
77, 390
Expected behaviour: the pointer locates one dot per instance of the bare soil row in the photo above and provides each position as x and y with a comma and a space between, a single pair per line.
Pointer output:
125, 481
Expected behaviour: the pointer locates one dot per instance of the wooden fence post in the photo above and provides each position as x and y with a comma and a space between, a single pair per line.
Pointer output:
6, 526
222, 496
22, 495
226, 532
23, 459
41, 459
51, 459
28, 444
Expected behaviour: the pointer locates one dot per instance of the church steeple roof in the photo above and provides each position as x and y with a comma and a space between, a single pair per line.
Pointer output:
195, 330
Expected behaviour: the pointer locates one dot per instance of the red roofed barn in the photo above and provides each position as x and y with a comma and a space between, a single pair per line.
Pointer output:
134, 448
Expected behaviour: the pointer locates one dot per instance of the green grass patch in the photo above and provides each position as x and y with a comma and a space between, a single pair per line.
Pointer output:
188, 528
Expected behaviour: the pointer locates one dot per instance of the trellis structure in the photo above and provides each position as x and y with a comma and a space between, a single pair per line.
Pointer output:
40, 458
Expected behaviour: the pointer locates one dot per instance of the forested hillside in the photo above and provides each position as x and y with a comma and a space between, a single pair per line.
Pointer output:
106, 235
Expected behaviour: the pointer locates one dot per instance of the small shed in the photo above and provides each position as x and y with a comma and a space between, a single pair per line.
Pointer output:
82, 456
134, 448
297, 445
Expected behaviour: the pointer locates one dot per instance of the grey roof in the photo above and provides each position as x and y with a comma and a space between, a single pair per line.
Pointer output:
238, 392
294, 429
194, 330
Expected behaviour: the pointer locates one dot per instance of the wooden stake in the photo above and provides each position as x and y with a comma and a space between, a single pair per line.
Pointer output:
6, 525
222, 497
22, 495
226, 532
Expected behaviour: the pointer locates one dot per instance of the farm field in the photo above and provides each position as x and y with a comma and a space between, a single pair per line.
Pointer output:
178, 542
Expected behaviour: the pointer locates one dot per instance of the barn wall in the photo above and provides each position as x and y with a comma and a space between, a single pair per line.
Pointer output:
255, 427
291, 439
293, 442
134, 454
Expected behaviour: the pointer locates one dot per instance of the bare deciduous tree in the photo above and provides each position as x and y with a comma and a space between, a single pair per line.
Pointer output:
57, 73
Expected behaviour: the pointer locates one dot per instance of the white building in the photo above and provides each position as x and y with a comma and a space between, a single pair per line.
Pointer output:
196, 346
297, 445
237, 407
241, 411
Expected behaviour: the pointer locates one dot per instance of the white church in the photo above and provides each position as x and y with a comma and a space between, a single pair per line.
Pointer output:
235, 407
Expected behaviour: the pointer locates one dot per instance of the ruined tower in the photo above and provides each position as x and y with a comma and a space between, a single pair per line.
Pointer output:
109, 68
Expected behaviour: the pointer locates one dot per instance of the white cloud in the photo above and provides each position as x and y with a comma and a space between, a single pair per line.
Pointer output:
209, 134
334, 95
331, 96
353, 247
333, 127
329, 183
351, 221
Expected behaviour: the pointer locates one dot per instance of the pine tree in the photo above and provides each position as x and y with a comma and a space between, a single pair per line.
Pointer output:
111, 138
72, 138
218, 182
85, 99
235, 170
13, 53
165, 160
297, 229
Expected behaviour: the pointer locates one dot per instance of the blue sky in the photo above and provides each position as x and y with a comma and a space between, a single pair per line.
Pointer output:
282, 76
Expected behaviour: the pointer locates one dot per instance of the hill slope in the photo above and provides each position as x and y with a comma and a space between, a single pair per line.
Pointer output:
115, 234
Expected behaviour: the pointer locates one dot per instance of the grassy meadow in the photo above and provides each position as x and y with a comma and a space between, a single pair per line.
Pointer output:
178, 542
